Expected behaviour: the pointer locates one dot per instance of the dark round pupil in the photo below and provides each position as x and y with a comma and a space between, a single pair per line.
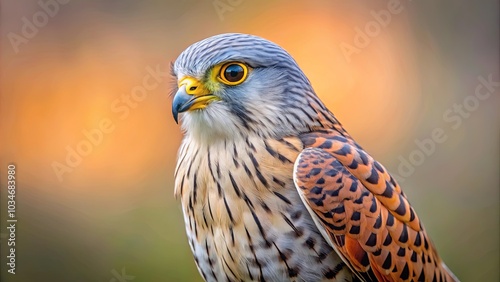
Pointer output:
234, 73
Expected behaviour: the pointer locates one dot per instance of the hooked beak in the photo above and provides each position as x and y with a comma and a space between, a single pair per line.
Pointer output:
192, 95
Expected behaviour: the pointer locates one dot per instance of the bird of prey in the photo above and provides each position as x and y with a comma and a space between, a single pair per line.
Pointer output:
273, 188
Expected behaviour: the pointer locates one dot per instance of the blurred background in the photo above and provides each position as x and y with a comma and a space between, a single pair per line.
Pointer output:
95, 150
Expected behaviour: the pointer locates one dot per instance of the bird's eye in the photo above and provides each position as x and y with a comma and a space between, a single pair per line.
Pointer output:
233, 73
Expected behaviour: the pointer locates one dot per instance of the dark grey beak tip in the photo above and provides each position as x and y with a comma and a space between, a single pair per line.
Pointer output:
175, 114
181, 103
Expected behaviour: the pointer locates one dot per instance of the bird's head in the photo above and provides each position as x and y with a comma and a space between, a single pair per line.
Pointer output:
233, 85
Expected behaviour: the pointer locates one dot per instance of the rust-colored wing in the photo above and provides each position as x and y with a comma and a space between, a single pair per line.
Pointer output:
362, 212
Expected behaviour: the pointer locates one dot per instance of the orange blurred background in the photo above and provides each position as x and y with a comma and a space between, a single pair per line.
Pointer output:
111, 209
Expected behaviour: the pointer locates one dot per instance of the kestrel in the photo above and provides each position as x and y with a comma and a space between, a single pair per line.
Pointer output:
273, 188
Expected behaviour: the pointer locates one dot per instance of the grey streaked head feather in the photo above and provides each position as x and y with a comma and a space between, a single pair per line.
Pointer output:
275, 100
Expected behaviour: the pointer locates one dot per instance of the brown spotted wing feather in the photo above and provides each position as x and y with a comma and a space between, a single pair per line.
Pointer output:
363, 213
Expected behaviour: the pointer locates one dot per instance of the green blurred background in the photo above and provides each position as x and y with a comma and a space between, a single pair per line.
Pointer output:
114, 212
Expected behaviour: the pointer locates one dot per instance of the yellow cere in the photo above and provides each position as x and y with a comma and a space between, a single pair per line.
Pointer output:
202, 95
193, 86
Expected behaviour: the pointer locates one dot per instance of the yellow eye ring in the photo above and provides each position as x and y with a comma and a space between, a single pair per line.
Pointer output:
233, 73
